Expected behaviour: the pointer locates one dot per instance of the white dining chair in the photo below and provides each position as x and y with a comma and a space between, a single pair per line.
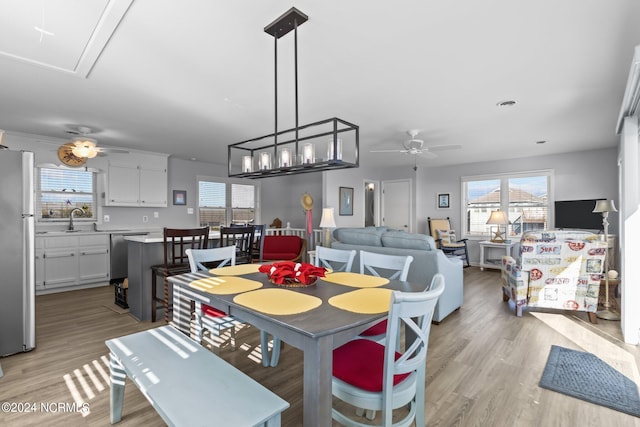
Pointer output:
211, 319
334, 259
375, 377
208, 318
382, 265
396, 267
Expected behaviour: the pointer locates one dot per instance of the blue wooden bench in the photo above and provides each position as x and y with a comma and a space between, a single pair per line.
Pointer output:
187, 384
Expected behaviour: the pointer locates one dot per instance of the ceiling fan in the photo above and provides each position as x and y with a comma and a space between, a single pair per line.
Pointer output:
416, 147
84, 147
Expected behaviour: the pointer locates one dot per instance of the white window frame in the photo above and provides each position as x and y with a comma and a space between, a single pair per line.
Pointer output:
40, 191
504, 195
228, 183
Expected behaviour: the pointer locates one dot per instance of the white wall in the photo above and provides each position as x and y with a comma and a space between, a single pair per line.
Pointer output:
580, 175
355, 178
281, 198
629, 210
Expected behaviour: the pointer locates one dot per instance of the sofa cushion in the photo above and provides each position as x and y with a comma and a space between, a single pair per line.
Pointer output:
404, 240
359, 236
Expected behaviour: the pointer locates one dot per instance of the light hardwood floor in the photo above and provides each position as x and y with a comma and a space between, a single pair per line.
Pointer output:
483, 369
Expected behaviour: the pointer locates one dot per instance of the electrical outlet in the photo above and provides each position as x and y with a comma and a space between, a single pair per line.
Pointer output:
145, 218
156, 215
106, 218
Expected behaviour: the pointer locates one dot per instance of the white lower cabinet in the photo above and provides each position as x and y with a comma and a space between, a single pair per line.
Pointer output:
71, 262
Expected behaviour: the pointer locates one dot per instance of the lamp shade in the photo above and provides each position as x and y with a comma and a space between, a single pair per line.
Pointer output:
327, 220
605, 206
498, 217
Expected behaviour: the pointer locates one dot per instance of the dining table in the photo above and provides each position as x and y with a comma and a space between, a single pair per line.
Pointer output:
315, 319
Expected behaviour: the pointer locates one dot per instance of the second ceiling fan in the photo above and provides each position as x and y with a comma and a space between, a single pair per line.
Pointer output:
416, 147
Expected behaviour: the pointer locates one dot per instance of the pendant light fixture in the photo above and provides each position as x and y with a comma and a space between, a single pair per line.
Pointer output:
328, 144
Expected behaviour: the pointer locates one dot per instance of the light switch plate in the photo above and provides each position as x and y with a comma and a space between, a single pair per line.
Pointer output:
190, 211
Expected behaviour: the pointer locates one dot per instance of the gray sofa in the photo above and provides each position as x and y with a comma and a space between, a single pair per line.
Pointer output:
427, 260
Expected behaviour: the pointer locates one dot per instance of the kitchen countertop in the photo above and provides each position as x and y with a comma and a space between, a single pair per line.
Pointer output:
56, 233
157, 238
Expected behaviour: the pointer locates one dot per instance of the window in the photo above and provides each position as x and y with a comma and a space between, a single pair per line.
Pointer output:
525, 196
62, 190
221, 202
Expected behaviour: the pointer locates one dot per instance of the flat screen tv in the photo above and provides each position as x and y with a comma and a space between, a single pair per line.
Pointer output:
577, 214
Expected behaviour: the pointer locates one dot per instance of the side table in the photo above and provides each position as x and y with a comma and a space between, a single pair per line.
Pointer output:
485, 249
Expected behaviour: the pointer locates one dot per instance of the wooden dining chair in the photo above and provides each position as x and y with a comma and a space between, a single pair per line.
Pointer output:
375, 377
259, 232
242, 238
175, 242
334, 259
208, 318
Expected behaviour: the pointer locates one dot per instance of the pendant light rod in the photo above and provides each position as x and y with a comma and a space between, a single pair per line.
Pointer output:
295, 62
287, 22
275, 121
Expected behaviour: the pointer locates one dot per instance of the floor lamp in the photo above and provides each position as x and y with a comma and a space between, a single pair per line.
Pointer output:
604, 207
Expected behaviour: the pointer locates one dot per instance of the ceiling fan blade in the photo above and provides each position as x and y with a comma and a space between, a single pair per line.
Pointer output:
388, 151
428, 155
113, 150
444, 147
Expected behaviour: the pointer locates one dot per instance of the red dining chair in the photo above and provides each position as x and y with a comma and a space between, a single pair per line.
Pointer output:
375, 377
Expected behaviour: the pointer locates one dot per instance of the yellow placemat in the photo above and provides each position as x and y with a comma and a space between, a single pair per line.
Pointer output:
355, 280
225, 285
278, 301
364, 301
235, 270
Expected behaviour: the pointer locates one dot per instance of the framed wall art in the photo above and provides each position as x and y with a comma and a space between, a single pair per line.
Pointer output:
443, 201
346, 201
179, 197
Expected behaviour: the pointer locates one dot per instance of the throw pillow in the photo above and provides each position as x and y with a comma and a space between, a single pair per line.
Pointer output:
447, 236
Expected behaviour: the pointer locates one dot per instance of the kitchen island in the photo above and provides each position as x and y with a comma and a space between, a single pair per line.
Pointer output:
145, 252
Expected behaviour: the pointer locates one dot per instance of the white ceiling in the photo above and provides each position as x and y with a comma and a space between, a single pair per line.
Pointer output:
190, 77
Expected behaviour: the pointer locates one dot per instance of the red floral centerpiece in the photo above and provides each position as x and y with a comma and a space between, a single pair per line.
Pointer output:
292, 274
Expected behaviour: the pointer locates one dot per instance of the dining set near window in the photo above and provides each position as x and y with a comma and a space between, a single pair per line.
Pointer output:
363, 329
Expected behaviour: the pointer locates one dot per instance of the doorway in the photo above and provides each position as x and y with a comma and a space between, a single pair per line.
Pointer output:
371, 205
396, 204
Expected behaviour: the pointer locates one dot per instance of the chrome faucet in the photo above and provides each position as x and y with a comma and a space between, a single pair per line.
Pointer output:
71, 217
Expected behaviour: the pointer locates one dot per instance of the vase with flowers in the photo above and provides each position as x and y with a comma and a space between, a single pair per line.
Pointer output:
292, 274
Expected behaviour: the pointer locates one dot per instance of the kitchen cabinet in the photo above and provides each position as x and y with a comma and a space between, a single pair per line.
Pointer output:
71, 262
93, 258
137, 180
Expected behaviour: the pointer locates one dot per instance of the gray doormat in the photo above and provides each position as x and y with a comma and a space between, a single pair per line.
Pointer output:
587, 377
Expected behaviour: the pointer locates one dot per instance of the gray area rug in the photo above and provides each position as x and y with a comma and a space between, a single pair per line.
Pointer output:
587, 377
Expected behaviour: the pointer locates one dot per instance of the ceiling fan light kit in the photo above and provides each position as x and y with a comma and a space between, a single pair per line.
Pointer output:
85, 147
294, 150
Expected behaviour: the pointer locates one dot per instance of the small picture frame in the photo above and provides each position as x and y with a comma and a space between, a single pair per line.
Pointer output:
179, 197
345, 201
443, 201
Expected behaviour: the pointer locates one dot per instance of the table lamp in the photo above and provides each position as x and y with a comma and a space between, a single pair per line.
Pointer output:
327, 221
604, 207
499, 219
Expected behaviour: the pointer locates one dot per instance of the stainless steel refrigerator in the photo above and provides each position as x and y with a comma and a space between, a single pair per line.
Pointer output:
17, 254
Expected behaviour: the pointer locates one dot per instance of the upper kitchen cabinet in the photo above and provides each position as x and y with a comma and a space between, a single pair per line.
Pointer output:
137, 180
